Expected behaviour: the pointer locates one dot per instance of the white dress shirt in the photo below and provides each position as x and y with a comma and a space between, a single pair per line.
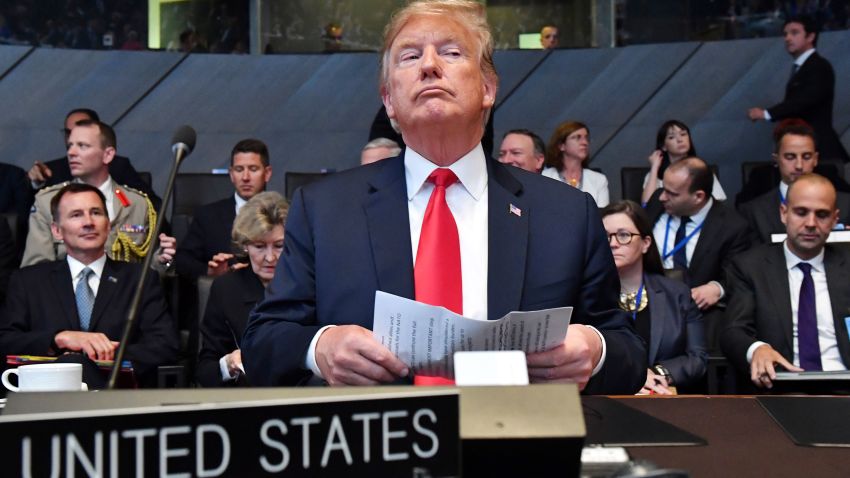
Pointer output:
799, 62
239, 202
94, 279
830, 356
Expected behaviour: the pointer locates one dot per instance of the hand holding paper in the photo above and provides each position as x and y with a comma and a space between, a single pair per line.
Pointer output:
426, 337
348, 355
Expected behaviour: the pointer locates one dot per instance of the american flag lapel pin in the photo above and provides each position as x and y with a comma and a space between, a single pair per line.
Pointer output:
112, 279
515, 210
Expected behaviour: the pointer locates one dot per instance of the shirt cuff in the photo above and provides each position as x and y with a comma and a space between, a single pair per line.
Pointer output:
310, 361
767, 116
37, 184
722, 290
752, 349
225, 370
604, 351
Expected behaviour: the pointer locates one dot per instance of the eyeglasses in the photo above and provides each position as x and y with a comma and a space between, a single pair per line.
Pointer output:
623, 237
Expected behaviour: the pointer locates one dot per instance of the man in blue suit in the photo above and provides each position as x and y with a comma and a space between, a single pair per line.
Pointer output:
522, 242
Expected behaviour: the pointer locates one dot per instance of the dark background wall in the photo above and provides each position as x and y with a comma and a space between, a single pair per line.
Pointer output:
314, 110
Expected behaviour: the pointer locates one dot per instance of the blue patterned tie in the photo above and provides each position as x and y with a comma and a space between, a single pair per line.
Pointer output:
680, 257
85, 299
807, 322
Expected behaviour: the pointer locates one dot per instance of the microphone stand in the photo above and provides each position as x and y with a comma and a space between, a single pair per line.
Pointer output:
133, 312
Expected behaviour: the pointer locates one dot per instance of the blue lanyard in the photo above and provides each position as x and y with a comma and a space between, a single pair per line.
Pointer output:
637, 301
781, 197
682, 243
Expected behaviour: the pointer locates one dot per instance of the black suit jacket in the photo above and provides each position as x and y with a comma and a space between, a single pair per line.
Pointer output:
208, 235
16, 196
760, 302
723, 235
232, 296
809, 95
677, 332
41, 303
120, 169
15, 190
762, 214
8, 258
348, 236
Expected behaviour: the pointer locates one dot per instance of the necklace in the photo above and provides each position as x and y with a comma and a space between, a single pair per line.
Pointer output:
628, 300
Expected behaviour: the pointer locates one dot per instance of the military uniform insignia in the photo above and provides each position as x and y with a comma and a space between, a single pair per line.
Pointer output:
122, 197
133, 228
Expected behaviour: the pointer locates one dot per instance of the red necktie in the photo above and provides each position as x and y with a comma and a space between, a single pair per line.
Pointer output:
437, 272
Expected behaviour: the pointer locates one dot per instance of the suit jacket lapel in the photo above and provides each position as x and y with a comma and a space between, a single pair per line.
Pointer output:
837, 278
109, 284
710, 230
776, 276
773, 212
658, 318
389, 228
63, 290
507, 239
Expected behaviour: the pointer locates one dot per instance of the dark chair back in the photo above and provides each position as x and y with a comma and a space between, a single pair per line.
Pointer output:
192, 190
146, 177
11, 219
631, 182
294, 180
204, 284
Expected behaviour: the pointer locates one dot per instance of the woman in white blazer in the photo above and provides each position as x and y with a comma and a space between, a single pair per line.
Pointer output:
566, 157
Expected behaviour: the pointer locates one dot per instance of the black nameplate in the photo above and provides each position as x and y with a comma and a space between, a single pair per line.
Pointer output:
378, 436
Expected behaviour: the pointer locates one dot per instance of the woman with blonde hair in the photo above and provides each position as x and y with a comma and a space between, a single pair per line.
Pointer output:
258, 233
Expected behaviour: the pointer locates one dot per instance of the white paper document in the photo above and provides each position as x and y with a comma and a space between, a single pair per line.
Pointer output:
425, 337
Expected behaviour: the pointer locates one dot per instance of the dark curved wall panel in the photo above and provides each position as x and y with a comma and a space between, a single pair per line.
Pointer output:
314, 111
38, 93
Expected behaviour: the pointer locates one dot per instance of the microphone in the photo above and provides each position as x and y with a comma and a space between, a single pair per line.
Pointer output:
182, 143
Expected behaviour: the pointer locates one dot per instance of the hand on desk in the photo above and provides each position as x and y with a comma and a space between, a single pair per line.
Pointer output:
573, 361
349, 355
95, 345
762, 370
655, 384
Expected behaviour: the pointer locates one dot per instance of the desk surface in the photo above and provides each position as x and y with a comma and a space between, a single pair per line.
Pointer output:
743, 440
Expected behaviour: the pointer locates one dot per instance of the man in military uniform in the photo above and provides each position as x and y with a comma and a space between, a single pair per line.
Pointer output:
91, 147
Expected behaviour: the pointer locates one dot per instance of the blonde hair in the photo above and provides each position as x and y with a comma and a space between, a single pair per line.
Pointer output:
258, 216
471, 15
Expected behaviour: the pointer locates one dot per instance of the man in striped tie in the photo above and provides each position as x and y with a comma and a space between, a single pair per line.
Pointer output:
789, 302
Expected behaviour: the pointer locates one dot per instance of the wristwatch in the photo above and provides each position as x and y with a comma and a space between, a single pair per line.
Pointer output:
659, 369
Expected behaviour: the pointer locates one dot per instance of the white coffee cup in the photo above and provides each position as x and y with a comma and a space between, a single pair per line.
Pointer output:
46, 377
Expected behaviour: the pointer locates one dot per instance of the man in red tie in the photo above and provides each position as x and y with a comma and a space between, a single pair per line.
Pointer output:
444, 225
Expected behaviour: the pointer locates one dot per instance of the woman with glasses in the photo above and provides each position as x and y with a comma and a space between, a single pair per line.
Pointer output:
664, 314
258, 233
